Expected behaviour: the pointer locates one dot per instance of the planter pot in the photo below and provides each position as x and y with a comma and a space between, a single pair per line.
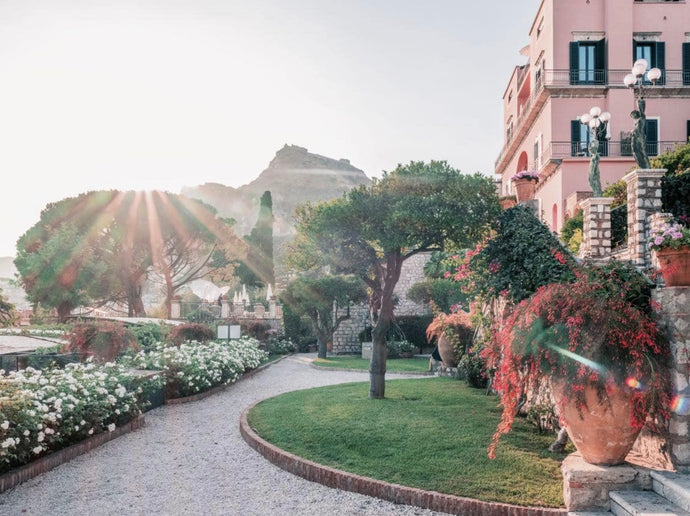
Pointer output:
506, 204
601, 430
525, 188
447, 352
675, 266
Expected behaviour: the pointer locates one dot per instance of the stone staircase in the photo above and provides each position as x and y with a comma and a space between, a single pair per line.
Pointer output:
670, 495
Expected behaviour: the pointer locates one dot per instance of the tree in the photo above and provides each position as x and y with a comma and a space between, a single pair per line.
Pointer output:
322, 299
8, 314
371, 231
100, 247
257, 268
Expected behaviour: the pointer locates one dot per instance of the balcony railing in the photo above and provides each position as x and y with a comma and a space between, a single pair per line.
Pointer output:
610, 149
585, 78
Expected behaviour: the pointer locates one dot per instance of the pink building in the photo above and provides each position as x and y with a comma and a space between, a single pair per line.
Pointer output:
578, 54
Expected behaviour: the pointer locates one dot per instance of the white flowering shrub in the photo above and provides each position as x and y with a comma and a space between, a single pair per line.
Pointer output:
194, 367
42, 411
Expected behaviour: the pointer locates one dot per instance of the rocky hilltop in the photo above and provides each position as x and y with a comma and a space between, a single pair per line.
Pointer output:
294, 176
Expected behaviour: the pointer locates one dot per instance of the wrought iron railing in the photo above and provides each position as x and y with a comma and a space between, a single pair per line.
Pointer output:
607, 148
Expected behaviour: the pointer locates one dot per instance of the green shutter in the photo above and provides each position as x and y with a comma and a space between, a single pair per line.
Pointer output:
600, 62
574, 137
574, 62
660, 63
652, 134
686, 64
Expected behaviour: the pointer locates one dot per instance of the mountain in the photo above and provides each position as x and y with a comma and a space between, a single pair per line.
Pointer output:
293, 177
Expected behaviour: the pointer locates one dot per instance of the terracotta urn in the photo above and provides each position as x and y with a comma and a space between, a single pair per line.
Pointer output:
447, 351
601, 431
507, 202
675, 266
525, 188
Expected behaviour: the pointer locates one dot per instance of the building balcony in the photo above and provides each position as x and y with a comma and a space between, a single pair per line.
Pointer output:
580, 83
607, 149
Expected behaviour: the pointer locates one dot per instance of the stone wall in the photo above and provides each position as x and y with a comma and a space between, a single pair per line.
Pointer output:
596, 244
346, 339
644, 199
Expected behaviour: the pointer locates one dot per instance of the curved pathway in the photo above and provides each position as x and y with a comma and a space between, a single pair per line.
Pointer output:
191, 460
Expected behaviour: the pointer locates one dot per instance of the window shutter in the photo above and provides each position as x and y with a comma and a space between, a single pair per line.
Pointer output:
686, 64
652, 135
687, 131
634, 53
661, 60
600, 62
574, 137
574, 61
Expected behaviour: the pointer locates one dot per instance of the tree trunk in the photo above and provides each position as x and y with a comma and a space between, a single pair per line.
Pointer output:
64, 310
322, 347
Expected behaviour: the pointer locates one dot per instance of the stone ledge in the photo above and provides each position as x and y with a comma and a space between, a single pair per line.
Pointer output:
395, 493
586, 486
21, 474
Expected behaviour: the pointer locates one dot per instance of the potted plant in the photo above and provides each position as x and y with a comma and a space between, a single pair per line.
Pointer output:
453, 333
602, 354
507, 201
670, 240
525, 183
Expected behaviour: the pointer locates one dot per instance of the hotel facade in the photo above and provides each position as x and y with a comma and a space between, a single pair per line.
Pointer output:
577, 56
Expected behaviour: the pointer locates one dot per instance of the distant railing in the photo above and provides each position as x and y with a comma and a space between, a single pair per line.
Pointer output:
607, 148
584, 77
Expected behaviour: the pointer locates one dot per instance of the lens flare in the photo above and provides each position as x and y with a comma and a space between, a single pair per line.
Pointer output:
680, 405
633, 383
586, 361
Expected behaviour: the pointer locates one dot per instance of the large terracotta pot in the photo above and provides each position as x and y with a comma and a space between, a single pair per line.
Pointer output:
601, 431
525, 188
447, 351
675, 266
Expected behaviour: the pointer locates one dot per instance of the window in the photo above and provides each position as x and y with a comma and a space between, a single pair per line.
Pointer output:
654, 52
580, 136
687, 131
686, 64
588, 62
652, 131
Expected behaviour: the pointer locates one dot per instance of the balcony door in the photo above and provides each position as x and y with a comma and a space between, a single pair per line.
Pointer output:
654, 52
588, 62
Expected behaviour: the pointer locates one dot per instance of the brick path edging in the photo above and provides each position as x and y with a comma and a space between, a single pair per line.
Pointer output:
395, 493
219, 388
23, 473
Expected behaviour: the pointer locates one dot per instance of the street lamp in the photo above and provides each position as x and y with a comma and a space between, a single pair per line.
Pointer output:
636, 81
595, 120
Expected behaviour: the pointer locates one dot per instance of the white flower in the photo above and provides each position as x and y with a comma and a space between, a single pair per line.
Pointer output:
38, 449
5, 425
40, 437
82, 422
7, 442
91, 431
26, 433
111, 427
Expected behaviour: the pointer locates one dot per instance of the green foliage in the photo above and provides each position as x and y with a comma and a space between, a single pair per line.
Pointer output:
675, 194
442, 292
570, 226
413, 328
675, 161
190, 332
619, 192
399, 347
149, 334
8, 313
298, 329
102, 340
280, 345
474, 368
258, 267
523, 256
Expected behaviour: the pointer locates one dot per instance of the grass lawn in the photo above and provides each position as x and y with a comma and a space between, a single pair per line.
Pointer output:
430, 433
392, 364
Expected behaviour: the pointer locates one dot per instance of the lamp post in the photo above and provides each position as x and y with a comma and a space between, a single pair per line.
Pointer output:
636, 81
595, 120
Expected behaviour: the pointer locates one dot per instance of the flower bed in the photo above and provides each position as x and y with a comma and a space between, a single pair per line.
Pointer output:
44, 411
194, 367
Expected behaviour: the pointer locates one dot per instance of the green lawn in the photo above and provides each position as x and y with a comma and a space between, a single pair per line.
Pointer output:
392, 364
430, 433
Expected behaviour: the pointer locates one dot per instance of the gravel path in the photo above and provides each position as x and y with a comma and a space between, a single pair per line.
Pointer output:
191, 460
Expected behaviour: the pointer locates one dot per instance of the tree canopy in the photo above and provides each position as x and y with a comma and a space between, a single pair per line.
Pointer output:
371, 231
326, 301
100, 247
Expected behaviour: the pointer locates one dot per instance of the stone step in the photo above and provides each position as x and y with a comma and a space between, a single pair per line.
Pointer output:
643, 503
588, 513
672, 486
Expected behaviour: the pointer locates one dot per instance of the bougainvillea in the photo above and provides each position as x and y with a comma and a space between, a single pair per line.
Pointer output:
585, 334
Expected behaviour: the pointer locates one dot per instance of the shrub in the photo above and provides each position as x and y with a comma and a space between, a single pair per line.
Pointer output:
102, 340
256, 329
474, 368
413, 328
190, 331
442, 292
675, 193
569, 229
398, 347
523, 256
150, 333
280, 345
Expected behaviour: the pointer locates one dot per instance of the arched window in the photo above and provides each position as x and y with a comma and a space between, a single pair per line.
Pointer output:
554, 217
522, 162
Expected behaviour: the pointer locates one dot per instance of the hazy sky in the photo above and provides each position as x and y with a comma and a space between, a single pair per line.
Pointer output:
142, 94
